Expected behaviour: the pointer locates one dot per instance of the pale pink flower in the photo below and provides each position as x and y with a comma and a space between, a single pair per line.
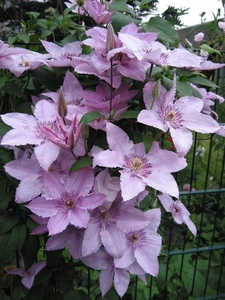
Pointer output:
179, 212
68, 202
221, 25
28, 275
143, 246
199, 37
138, 168
179, 116
101, 260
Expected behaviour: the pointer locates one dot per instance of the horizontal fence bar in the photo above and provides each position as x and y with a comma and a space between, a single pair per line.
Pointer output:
193, 250
196, 192
219, 296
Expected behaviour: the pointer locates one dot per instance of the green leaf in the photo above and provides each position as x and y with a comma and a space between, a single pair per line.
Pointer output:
4, 128
167, 32
184, 89
4, 79
129, 114
33, 14
202, 81
11, 241
17, 293
12, 39
7, 222
71, 295
47, 78
24, 37
12, 89
35, 293
209, 49
5, 199
30, 250
120, 5
89, 117
81, 163
120, 20
18, 236
143, 2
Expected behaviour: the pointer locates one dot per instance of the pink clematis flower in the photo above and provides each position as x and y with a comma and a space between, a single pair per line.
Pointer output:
68, 203
208, 98
98, 10
100, 67
179, 212
143, 246
178, 116
27, 129
109, 227
32, 176
70, 238
101, 260
62, 56
28, 276
18, 63
139, 169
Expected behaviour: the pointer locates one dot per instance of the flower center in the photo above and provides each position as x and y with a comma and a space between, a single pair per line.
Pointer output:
137, 166
172, 115
69, 201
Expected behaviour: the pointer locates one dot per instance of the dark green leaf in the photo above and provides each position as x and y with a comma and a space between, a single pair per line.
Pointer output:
89, 117
12, 39
5, 246
184, 89
120, 20
129, 114
30, 250
11, 241
33, 14
167, 32
12, 89
8, 221
81, 163
203, 81
5, 199
17, 293
24, 37
120, 5
18, 236
4, 79
47, 78
35, 293
4, 128
42, 276
71, 295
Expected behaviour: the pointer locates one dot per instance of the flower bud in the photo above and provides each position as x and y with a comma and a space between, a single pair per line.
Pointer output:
110, 38
156, 89
62, 106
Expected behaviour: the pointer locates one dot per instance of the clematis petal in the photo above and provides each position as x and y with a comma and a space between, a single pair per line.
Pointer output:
121, 281
92, 240
114, 241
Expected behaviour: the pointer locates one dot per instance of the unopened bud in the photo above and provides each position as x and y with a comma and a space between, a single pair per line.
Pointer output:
62, 106
156, 89
110, 38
